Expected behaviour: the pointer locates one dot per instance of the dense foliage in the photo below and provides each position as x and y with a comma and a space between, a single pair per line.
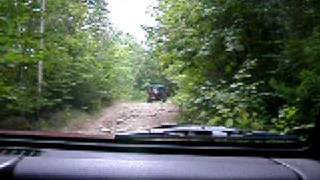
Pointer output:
86, 61
239, 63
245, 63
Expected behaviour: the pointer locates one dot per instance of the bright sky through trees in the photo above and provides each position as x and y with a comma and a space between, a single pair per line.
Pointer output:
129, 15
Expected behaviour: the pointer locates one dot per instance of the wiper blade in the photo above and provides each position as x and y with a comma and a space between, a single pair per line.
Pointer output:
213, 133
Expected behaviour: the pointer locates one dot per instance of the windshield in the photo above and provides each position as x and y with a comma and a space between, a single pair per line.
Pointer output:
202, 67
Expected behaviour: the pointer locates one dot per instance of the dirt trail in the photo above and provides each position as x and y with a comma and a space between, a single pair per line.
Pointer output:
131, 116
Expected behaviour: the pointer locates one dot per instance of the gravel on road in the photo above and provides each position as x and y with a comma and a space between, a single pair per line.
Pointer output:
131, 116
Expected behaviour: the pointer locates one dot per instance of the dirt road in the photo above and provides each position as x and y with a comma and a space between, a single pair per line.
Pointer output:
131, 116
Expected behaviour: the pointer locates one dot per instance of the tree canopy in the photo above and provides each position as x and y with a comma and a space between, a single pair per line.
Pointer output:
246, 63
249, 64
87, 62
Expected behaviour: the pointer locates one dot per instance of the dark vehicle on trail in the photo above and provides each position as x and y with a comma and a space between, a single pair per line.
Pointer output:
157, 92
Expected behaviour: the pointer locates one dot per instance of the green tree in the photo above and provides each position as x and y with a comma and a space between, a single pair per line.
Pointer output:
249, 64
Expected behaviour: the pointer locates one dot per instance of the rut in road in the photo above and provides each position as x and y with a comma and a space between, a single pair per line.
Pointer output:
131, 116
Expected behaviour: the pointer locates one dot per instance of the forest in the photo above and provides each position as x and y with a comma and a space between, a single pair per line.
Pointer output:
238, 63
64, 55
246, 63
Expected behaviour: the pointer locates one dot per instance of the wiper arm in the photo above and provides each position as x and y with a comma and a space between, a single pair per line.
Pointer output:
208, 134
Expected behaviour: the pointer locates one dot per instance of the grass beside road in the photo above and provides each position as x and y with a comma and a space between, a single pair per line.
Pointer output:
65, 120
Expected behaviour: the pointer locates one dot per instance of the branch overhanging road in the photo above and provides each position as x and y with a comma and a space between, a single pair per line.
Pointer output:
131, 116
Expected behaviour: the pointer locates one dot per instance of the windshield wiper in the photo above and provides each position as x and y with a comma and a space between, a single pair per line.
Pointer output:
211, 133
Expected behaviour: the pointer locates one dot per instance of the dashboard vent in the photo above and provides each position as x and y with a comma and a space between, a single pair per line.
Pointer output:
19, 152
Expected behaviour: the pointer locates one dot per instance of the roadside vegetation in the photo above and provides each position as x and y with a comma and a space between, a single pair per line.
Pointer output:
64, 57
237, 63
244, 63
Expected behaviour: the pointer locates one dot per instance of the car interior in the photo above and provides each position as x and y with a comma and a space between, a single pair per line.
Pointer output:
33, 156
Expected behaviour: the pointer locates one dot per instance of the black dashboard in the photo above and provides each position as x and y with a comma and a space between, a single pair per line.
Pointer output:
57, 164
44, 157
23, 163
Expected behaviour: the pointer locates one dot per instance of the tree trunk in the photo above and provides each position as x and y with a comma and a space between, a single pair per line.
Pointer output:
40, 63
